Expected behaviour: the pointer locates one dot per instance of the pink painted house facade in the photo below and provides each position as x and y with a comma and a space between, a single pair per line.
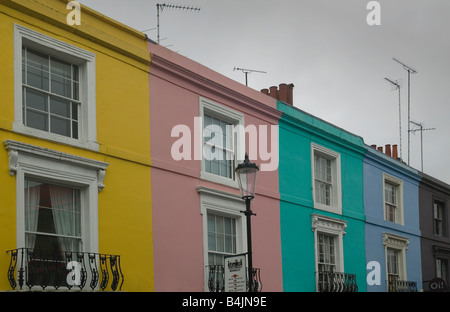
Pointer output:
196, 203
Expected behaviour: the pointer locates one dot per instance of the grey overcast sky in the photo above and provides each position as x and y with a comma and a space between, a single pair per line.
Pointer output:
326, 48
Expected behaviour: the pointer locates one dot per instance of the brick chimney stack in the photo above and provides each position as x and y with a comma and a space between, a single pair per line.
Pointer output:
284, 93
391, 151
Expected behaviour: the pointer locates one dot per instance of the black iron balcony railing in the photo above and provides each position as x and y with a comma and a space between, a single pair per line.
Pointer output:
336, 282
216, 279
397, 285
64, 270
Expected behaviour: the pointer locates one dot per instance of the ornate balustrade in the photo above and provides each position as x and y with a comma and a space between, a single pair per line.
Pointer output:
336, 282
397, 285
64, 270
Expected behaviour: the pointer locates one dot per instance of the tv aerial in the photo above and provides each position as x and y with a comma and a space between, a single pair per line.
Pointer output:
162, 6
248, 71
421, 129
410, 71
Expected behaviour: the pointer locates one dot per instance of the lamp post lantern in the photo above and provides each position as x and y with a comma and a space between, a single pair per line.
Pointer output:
246, 173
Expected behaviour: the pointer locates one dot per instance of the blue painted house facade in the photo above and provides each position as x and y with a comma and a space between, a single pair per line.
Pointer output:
392, 233
321, 204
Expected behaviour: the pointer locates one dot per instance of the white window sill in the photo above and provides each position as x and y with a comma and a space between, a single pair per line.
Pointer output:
218, 179
20, 128
336, 210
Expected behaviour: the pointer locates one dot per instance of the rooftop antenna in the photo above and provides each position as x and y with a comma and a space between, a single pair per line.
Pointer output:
162, 6
247, 71
396, 85
410, 71
421, 129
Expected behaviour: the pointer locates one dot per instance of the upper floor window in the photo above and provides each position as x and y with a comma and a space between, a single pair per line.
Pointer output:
50, 93
220, 152
223, 139
326, 179
439, 214
54, 86
393, 199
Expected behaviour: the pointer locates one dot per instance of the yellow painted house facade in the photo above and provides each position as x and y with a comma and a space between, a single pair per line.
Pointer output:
75, 162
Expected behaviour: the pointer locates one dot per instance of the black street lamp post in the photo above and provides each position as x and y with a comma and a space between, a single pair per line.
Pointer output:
246, 174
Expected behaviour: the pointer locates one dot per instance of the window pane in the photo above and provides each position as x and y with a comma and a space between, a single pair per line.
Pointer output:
215, 167
37, 60
60, 126
37, 78
35, 99
74, 129
61, 86
61, 68
37, 120
60, 107
75, 73
220, 242
74, 111
76, 91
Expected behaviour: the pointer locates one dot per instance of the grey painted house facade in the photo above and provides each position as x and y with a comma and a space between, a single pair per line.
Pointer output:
434, 201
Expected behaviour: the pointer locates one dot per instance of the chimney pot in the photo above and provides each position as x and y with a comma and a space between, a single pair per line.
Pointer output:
290, 91
283, 93
395, 151
388, 150
274, 92
265, 91
373, 146
380, 149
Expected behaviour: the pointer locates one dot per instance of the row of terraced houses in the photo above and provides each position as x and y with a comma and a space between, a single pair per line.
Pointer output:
102, 187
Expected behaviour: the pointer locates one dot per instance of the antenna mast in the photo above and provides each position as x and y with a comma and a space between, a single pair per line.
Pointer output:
421, 129
172, 6
247, 71
397, 87
410, 71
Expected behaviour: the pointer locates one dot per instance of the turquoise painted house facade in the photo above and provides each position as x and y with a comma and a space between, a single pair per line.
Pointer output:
391, 203
321, 204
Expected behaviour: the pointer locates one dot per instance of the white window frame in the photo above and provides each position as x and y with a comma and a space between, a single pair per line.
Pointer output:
336, 191
236, 119
225, 204
84, 59
400, 244
330, 226
399, 217
29, 161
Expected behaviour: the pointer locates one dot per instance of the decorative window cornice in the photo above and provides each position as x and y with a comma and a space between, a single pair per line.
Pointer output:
328, 224
441, 252
395, 241
16, 148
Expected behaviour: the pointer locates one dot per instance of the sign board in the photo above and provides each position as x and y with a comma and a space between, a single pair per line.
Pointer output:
236, 273
437, 284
